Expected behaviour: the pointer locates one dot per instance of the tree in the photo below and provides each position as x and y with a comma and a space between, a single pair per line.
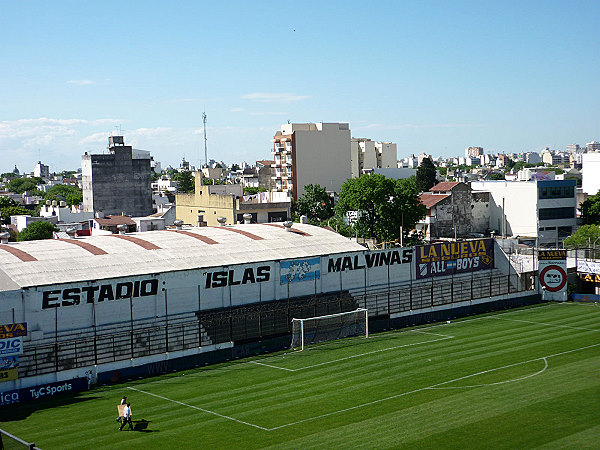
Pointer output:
316, 204
254, 190
496, 176
15, 210
590, 210
20, 185
185, 182
585, 236
64, 192
382, 204
426, 175
37, 230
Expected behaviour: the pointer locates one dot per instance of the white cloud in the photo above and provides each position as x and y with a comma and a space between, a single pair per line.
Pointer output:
236, 110
274, 97
81, 82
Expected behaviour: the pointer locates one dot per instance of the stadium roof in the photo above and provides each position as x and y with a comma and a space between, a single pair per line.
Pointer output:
55, 261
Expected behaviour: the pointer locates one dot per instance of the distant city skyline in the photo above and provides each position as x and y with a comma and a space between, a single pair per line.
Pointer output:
432, 77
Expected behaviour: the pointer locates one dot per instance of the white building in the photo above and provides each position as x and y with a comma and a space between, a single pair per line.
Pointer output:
41, 170
590, 169
366, 154
542, 210
311, 153
593, 146
63, 213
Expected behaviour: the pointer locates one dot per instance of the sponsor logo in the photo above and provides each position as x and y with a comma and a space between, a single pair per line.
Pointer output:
50, 390
11, 346
9, 375
231, 278
98, 294
369, 260
13, 330
552, 254
454, 257
9, 397
9, 362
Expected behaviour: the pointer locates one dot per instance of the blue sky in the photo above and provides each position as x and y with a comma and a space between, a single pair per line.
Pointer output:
432, 77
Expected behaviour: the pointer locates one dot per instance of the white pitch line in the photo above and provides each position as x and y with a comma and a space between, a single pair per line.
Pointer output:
355, 356
391, 397
201, 409
272, 366
499, 382
543, 323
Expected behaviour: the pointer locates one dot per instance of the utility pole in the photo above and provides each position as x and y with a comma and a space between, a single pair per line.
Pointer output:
205, 151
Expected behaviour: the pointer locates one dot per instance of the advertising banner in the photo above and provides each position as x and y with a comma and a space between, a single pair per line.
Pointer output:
588, 267
51, 389
448, 258
9, 362
11, 346
553, 273
12, 330
8, 375
9, 397
590, 277
300, 270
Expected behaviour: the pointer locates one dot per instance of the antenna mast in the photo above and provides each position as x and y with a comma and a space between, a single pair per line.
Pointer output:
205, 151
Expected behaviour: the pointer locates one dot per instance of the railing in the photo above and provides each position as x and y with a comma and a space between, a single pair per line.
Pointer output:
254, 322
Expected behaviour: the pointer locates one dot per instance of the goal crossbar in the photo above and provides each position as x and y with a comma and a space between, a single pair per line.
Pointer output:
311, 330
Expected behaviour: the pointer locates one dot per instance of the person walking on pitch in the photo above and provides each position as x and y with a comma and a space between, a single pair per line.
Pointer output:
126, 417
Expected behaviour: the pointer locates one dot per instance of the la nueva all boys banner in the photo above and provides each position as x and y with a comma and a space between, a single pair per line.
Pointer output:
448, 258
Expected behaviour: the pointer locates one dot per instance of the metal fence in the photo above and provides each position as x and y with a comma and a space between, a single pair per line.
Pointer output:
254, 322
9, 442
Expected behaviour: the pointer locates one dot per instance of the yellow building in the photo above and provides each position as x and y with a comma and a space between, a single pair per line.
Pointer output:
209, 202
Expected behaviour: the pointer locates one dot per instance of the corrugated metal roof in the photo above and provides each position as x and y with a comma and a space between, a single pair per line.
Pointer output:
55, 261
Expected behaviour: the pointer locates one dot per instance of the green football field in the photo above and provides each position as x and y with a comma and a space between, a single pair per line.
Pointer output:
524, 378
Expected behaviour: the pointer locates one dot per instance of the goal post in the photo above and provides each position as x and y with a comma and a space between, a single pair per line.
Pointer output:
330, 327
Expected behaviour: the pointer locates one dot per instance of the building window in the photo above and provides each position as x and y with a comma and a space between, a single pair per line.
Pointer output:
556, 213
556, 192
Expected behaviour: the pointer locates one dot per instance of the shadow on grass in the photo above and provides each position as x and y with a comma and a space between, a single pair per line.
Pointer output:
142, 426
20, 411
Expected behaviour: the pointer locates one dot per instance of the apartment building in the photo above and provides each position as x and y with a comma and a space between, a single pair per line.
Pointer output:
311, 153
366, 154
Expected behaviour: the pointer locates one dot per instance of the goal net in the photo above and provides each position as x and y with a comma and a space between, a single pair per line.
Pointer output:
327, 328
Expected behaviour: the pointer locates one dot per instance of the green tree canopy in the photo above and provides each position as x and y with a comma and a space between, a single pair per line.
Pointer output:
426, 175
496, 176
585, 236
13, 210
590, 210
64, 192
254, 190
37, 230
383, 205
316, 204
186, 182
20, 185
7, 201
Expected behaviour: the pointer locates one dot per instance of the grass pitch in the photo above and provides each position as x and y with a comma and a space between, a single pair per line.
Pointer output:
518, 379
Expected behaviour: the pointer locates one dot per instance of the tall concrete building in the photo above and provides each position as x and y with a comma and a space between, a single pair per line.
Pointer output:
117, 182
368, 154
311, 153
473, 151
